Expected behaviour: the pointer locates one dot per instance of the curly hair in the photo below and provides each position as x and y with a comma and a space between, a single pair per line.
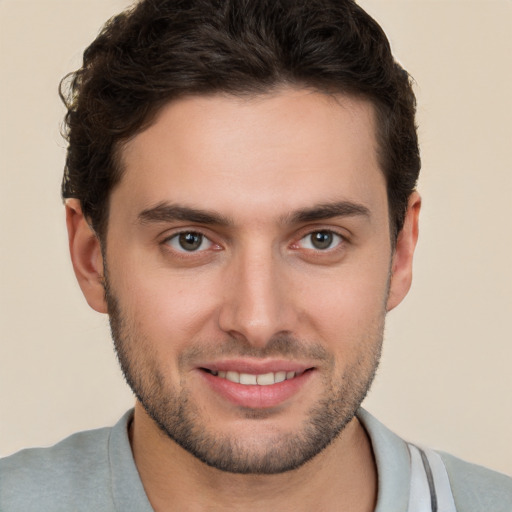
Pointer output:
160, 50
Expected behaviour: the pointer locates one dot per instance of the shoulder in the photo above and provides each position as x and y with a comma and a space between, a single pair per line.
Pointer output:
476, 488
73, 470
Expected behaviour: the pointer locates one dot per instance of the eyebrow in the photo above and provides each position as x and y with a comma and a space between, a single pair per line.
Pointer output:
328, 211
165, 212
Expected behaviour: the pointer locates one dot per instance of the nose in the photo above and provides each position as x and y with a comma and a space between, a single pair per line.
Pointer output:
257, 300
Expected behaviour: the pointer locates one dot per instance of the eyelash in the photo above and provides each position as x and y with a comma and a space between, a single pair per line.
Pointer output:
175, 242
335, 238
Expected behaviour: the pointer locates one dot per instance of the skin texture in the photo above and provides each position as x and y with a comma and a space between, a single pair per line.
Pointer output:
267, 173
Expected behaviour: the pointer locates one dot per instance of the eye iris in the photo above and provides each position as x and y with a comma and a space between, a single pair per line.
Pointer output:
190, 241
321, 239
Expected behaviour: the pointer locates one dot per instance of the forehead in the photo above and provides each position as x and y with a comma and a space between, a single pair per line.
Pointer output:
272, 153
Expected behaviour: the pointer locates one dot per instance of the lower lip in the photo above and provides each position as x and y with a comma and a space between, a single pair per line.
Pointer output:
254, 396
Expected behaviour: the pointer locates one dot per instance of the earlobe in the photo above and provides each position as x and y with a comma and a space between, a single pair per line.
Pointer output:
401, 267
86, 256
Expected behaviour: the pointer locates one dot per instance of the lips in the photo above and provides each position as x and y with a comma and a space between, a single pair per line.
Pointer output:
259, 386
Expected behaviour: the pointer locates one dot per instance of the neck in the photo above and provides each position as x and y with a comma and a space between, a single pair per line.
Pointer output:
341, 478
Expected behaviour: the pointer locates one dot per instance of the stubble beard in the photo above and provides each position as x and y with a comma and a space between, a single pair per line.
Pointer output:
178, 417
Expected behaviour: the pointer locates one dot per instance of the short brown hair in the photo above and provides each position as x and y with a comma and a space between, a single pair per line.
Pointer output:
161, 50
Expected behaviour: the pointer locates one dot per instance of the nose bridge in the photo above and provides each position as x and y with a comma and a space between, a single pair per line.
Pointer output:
256, 305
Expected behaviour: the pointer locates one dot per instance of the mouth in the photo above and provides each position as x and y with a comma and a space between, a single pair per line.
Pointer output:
261, 379
253, 383
256, 385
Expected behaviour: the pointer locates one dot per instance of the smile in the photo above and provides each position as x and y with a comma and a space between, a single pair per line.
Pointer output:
248, 379
255, 385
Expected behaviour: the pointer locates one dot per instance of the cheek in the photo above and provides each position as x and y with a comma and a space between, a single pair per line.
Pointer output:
169, 309
350, 306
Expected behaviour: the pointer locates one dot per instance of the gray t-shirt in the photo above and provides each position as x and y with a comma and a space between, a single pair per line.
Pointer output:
95, 471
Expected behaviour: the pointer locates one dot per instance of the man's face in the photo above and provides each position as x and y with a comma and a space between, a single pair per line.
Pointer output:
249, 241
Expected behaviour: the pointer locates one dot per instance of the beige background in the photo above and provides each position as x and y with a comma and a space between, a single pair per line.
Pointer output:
446, 377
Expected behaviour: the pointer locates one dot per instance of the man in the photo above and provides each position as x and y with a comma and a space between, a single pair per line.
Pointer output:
240, 198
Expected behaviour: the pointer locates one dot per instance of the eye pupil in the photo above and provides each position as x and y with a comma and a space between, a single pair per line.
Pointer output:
322, 239
190, 241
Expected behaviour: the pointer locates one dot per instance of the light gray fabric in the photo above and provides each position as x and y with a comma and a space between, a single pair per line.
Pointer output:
475, 488
88, 471
95, 471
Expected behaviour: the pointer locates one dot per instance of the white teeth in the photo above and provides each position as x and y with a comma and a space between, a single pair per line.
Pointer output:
247, 378
280, 376
264, 379
233, 376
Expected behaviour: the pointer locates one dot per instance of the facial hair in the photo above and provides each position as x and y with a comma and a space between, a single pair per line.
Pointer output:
182, 420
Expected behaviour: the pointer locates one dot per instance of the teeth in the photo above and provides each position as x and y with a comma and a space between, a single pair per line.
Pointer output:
233, 376
247, 378
280, 376
265, 379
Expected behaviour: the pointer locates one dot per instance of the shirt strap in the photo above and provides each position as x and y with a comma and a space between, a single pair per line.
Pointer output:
430, 489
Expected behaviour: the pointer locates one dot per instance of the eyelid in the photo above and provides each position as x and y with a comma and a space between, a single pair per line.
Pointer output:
309, 230
338, 240
181, 231
175, 243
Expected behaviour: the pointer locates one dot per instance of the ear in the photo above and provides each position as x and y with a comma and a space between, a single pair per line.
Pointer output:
85, 250
401, 268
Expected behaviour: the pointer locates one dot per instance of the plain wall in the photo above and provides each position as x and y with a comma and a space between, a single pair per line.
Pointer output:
445, 378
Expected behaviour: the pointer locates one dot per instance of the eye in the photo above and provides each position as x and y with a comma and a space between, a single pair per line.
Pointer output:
189, 241
320, 240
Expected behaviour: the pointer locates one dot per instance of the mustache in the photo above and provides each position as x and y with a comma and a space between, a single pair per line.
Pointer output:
282, 346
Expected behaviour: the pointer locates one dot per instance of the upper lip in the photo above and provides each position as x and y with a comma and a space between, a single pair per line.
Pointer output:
255, 367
